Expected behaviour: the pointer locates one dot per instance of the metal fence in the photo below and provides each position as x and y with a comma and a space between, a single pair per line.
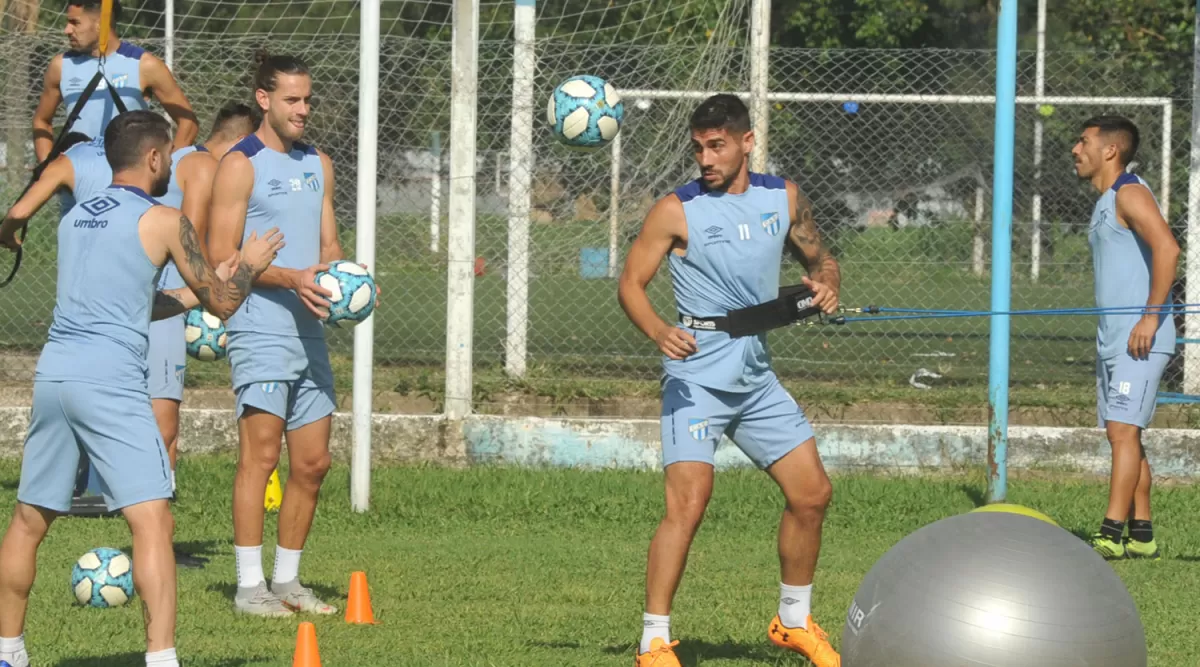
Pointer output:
894, 148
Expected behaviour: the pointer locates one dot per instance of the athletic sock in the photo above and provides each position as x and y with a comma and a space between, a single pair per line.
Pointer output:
1141, 531
12, 650
162, 659
654, 626
1112, 529
795, 604
287, 565
172, 481
249, 566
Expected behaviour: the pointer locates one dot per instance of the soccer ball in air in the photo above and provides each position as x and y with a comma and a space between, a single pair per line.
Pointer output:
103, 578
204, 334
586, 112
353, 292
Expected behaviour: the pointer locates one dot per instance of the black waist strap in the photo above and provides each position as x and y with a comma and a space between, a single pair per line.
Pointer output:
795, 303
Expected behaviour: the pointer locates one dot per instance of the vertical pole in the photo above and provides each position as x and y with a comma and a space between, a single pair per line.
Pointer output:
1164, 189
614, 207
435, 191
977, 251
169, 47
1035, 236
520, 179
760, 47
1191, 355
364, 249
460, 236
1002, 205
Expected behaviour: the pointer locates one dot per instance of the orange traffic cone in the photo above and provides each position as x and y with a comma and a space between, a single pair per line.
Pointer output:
358, 607
307, 654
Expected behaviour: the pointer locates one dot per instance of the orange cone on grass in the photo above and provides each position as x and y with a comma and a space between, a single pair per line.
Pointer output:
358, 607
306, 654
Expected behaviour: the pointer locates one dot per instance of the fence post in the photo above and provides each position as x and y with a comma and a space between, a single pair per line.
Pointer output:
1035, 235
760, 48
460, 235
520, 177
1002, 205
1191, 360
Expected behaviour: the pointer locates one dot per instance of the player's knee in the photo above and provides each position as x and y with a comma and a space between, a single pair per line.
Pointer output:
31, 522
686, 507
152, 518
262, 460
812, 499
311, 470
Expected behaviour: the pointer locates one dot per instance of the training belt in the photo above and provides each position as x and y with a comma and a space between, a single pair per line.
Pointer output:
794, 304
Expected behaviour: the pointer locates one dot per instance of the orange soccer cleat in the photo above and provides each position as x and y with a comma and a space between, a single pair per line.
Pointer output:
661, 654
811, 642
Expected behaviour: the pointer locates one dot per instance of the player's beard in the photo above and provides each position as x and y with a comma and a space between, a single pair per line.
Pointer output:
161, 184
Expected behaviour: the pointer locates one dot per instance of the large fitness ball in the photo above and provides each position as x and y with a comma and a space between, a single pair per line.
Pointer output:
992, 589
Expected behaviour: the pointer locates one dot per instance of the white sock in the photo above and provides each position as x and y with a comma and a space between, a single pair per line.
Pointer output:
249, 566
795, 603
162, 659
654, 626
287, 565
12, 650
172, 481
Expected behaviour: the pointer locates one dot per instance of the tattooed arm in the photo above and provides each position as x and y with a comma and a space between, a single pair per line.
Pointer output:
171, 302
825, 276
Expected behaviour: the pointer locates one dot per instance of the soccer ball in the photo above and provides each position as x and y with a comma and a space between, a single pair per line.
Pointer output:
204, 334
586, 112
103, 578
353, 292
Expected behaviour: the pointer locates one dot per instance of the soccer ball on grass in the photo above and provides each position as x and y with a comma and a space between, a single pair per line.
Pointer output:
102, 578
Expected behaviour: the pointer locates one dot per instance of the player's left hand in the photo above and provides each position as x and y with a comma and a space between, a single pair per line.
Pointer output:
1142, 336
824, 296
8, 236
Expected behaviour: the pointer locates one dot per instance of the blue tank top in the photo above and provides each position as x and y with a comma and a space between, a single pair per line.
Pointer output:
1121, 262
101, 327
288, 193
92, 172
174, 198
734, 251
120, 69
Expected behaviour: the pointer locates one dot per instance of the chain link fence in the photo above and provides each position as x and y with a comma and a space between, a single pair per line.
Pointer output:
893, 147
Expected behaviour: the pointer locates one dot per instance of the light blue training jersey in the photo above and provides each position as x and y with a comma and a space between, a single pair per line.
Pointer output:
734, 251
288, 193
92, 172
121, 69
101, 327
1121, 261
174, 198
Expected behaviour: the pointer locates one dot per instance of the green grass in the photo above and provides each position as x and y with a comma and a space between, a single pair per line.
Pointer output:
493, 567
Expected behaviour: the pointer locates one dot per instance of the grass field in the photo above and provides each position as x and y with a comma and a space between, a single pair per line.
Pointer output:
491, 567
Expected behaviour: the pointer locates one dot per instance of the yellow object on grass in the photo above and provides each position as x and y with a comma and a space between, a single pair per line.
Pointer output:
274, 497
1015, 509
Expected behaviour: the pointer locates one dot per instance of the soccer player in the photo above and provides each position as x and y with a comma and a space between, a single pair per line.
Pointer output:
90, 390
723, 236
281, 371
134, 73
1134, 257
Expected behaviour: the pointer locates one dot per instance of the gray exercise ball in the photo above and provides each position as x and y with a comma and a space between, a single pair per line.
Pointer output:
992, 590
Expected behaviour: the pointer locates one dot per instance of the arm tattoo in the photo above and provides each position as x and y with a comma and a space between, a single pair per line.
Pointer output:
213, 291
808, 248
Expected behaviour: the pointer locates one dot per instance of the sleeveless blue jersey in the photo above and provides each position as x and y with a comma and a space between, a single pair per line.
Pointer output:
289, 190
100, 332
1122, 264
92, 172
734, 251
174, 198
120, 69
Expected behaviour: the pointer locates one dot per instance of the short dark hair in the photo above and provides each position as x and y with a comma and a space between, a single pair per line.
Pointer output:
233, 113
271, 66
1125, 130
131, 134
94, 6
722, 111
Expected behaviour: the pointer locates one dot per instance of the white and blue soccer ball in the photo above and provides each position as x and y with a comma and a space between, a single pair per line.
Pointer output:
205, 335
586, 112
353, 292
103, 578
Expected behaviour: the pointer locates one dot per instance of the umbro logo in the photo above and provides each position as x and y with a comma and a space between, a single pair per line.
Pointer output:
713, 231
274, 183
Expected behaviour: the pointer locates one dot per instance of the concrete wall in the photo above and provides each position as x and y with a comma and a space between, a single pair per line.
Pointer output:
631, 443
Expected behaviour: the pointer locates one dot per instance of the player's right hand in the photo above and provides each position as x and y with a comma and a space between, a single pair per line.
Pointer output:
259, 252
313, 296
675, 342
8, 237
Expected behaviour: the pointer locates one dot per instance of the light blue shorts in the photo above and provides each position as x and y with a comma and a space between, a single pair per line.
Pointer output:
1127, 388
288, 377
766, 424
113, 427
167, 358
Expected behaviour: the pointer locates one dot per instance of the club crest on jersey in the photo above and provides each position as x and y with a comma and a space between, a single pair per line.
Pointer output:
269, 387
698, 428
310, 179
179, 371
770, 222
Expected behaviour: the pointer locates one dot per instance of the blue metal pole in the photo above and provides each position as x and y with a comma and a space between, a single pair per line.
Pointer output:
1002, 201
